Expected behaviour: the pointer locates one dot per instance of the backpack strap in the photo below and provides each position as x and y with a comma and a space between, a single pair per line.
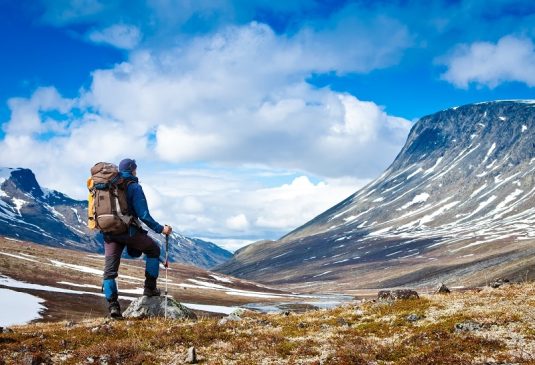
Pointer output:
132, 221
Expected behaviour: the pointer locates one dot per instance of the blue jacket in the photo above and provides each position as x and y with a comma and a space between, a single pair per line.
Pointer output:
137, 203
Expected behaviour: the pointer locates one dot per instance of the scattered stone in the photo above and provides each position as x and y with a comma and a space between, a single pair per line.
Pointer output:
35, 359
29, 359
413, 317
5, 330
145, 307
324, 357
101, 360
239, 312
61, 358
69, 324
342, 322
400, 294
236, 315
467, 327
231, 317
264, 322
302, 325
192, 356
442, 289
105, 360
105, 328
498, 282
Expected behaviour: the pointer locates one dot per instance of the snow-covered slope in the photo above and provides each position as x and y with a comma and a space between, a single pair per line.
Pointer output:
459, 200
35, 214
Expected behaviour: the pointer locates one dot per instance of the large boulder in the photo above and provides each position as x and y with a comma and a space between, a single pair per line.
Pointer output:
400, 294
235, 316
145, 307
442, 289
498, 282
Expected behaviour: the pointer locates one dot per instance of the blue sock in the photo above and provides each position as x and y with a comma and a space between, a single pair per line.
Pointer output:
110, 289
152, 266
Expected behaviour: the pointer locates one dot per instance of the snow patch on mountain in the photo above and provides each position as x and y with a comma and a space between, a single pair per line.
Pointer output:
415, 172
19, 203
491, 149
420, 198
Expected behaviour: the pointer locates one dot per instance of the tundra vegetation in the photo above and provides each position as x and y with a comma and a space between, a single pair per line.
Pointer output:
476, 326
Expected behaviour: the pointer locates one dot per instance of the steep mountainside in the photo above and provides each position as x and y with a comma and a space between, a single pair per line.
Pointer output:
457, 204
31, 213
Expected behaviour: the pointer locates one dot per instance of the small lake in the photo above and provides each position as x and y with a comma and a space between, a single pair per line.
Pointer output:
19, 308
309, 302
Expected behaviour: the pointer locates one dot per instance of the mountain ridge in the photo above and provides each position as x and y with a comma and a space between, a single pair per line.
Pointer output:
461, 185
33, 213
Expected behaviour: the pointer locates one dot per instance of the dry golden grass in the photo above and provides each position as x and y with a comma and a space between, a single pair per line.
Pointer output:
502, 321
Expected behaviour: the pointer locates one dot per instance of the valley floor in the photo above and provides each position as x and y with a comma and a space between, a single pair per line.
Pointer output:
480, 326
53, 284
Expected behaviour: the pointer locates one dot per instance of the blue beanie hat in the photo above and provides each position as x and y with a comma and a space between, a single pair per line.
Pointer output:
127, 165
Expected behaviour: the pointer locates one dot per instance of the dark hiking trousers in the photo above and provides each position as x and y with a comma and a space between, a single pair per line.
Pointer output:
115, 244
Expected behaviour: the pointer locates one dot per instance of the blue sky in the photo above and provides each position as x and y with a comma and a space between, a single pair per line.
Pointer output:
247, 117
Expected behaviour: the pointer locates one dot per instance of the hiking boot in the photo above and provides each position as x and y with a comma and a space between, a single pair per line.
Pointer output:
150, 289
115, 310
151, 292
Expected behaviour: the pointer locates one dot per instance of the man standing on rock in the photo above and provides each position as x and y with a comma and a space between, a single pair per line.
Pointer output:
135, 240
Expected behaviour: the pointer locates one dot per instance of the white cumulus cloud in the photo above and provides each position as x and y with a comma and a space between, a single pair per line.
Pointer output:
512, 58
200, 201
238, 222
46, 135
118, 35
231, 140
28, 116
216, 98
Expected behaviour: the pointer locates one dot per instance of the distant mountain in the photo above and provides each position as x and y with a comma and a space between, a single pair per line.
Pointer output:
32, 213
457, 204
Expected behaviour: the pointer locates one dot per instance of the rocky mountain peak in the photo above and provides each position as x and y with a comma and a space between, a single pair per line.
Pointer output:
502, 123
461, 193
25, 181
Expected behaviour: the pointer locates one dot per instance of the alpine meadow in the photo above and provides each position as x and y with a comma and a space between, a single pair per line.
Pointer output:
267, 182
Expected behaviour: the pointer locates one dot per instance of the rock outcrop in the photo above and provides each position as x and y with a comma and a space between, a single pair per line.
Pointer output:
496, 283
145, 307
399, 294
442, 289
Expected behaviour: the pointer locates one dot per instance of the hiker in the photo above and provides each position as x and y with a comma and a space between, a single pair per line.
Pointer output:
135, 239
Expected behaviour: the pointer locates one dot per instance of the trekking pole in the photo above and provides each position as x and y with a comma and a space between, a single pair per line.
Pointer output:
166, 265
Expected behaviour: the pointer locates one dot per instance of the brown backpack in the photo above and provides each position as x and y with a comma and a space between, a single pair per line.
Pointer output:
108, 206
